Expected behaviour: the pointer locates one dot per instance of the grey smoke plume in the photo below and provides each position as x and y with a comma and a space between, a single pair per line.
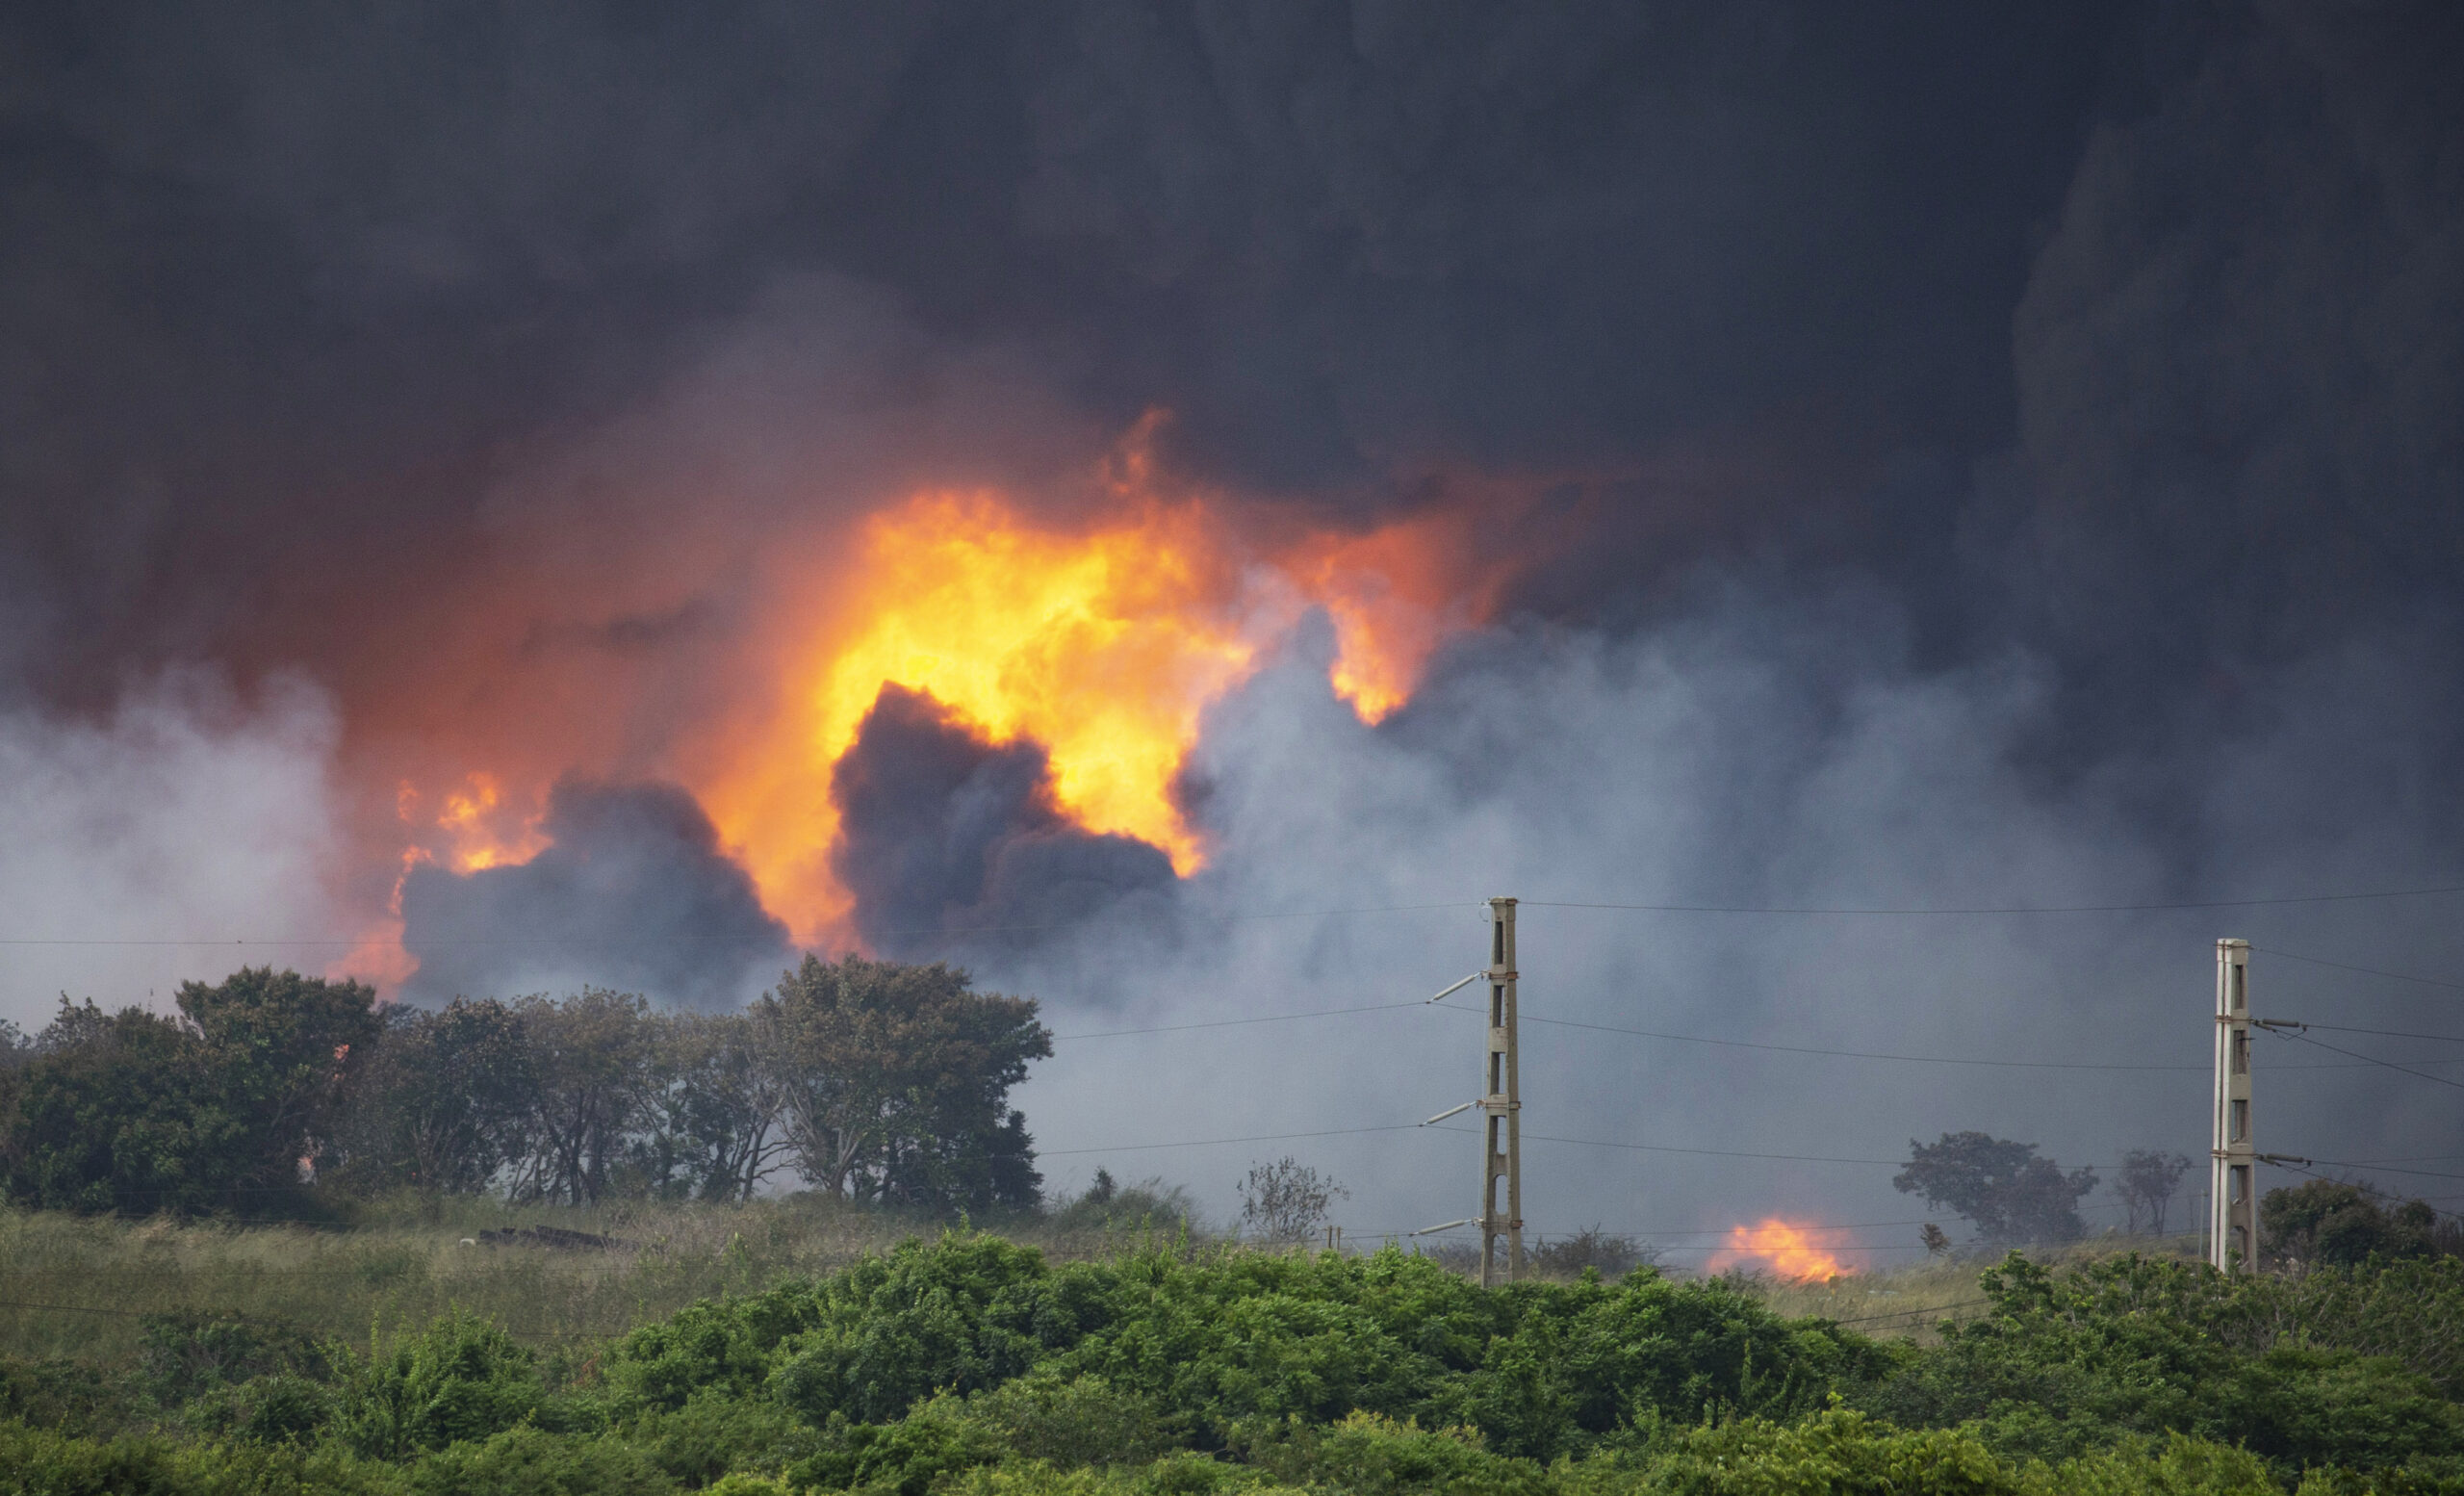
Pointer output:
2022, 451
134, 845
633, 893
944, 833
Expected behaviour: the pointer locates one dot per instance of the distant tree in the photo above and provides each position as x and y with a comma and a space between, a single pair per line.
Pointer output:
442, 1102
592, 1060
898, 1082
717, 1104
1103, 1189
1612, 1253
2147, 1184
216, 1108
1937, 1240
2002, 1188
283, 1048
2327, 1222
1285, 1200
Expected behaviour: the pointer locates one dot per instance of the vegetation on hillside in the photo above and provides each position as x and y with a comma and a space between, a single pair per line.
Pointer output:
972, 1365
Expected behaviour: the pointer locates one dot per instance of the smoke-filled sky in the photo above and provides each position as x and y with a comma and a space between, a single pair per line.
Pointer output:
493, 497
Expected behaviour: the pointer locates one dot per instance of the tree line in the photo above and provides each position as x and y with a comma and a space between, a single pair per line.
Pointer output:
870, 1080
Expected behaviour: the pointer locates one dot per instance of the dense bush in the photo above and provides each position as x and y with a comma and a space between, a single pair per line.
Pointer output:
973, 1367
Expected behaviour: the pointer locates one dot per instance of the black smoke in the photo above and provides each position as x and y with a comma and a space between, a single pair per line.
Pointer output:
2017, 454
632, 891
945, 834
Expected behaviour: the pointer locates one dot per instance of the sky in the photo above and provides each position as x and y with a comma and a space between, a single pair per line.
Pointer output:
497, 497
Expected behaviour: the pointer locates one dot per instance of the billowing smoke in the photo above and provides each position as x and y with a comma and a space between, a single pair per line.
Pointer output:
2015, 457
137, 844
631, 893
944, 833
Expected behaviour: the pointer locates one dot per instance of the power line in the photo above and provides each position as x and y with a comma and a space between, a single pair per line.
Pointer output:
1263, 1137
2391, 1033
1272, 1018
1928, 1308
1912, 911
1697, 1038
2394, 976
1865, 1054
2007, 909
2346, 1163
1705, 1152
2368, 1058
325, 942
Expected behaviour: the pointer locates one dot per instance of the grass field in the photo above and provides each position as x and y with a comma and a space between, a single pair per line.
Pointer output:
79, 1286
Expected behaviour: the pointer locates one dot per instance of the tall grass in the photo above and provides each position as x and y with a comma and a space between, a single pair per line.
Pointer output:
1911, 1302
80, 1286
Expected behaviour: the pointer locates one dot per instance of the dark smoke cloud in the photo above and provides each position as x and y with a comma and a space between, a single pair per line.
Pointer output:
944, 833
290, 286
2240, 365
2015, 448
633, 893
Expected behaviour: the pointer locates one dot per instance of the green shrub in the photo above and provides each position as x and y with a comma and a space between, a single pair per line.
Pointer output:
714, 1436
1370, 1454
461, 1377
283, 1409
1082, 1421
2065, 1365
45, 1462
1838, 1453
533, 1462
184, 1353
74, 1397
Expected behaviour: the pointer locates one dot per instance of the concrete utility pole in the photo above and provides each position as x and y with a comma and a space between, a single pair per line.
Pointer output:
2232, 1234
1500, 1107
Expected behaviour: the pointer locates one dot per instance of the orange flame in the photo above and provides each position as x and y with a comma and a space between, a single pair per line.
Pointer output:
1786, 1249
1103, 639
481, 829
1104, 645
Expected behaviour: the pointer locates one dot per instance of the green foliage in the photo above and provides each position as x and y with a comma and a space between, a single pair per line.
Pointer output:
77, 1397
186, 1353
2326, 1223
2003, 1188
2063, 1365
899, 1082
443, 1101
1234, 1337
1838, 1453
279, 1409
1080, 1421
47, 1463
136, 1112
971, 1366
530, 1462
461, 1377
1371, 1454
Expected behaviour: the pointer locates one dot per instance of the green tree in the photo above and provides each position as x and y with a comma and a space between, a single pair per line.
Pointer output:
2003, 1188
2330, 1224
218, 1107
443, 1101
592, 1057
717, 1107
898, 1082
2148, 1182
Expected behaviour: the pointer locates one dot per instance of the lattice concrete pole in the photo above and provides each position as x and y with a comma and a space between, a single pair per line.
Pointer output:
2233, 1209
1500, 1108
